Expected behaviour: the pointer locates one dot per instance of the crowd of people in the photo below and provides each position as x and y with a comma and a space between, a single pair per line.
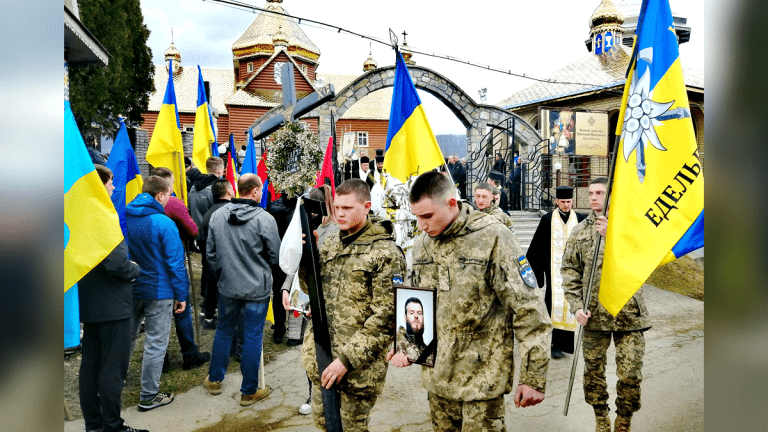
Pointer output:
488, 296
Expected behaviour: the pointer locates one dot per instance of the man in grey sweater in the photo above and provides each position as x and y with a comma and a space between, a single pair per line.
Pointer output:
242, 244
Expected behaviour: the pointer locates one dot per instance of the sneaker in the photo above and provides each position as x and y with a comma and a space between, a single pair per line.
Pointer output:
294, 342
307, 407
213, 387
210, 324
201, 359
127, 428
159, 400
248, 400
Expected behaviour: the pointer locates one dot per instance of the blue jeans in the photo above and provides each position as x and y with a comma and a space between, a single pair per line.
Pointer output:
186, 333
253, 330
157, 330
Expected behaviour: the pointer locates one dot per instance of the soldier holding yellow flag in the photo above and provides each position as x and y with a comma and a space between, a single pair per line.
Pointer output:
626, 328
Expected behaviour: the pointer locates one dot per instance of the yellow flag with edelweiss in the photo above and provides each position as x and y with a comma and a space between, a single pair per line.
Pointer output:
656, 209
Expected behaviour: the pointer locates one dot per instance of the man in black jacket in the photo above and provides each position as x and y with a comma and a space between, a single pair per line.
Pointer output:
222, 194
106, 305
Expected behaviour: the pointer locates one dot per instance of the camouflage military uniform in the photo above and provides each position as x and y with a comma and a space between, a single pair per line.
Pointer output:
410, 348
496, 212
626, 328
482, 304
357, 274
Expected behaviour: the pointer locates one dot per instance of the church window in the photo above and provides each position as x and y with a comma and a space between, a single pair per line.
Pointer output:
362, 139
303, 68
249, 67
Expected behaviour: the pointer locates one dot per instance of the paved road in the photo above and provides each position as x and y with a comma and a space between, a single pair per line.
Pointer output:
673, 389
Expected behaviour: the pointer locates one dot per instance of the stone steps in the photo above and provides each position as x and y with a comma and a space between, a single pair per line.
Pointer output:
525, 225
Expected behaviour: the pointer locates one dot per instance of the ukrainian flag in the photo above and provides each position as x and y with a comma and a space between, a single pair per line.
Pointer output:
657, 203
411, 146
165, 147
204, 135
125, 168
91, 225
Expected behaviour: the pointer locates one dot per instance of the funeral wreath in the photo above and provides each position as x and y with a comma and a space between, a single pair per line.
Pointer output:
293, 159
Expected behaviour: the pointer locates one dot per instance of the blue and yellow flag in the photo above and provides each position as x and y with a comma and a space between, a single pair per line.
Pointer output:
165, 147
91, 225
204, 135
656, 210
127, 177
411, 146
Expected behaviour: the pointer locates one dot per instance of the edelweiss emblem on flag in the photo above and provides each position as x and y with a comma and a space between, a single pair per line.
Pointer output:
642, 114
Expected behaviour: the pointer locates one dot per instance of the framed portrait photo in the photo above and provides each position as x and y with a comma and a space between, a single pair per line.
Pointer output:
415, 332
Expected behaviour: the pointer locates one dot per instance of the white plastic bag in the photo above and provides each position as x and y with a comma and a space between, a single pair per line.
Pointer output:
290, 247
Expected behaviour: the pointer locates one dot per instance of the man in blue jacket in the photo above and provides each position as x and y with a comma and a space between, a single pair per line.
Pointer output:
154, 243
243, 244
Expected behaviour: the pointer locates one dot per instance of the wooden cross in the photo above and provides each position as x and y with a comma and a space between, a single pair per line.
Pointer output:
291, 109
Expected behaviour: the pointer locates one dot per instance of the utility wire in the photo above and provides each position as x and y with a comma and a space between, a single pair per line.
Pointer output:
242, 5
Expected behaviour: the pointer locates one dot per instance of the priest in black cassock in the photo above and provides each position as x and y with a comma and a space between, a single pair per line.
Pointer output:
545, 256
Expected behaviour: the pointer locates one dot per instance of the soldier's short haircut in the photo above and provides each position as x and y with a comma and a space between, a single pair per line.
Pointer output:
413, 300
355, 187
220, 187
485, 186
599, 180
154, 185
247, 183
104, 173
213, 163
432, 185
162, 172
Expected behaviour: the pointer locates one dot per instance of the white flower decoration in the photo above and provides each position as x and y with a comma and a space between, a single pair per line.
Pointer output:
640, 120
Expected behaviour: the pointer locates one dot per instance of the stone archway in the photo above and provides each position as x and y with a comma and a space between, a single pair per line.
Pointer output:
475, 117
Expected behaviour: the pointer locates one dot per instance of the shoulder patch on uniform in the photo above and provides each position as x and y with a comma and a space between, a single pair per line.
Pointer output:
526, 272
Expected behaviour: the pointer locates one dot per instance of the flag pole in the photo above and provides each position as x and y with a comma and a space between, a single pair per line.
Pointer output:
588, 294
186, 252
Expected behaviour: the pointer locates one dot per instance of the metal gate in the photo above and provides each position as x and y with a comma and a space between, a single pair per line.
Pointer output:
540, 172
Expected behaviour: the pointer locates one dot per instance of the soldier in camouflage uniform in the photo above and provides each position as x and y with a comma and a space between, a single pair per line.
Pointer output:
357, 268
626, 328
410, 341
485, 202
483, 303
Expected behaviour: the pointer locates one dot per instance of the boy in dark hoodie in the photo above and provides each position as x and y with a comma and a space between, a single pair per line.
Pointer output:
200, 196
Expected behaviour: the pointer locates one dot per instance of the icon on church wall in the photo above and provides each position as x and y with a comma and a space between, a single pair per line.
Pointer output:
608, 41
599, 44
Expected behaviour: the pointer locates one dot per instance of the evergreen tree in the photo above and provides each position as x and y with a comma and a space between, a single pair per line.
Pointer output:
98, 95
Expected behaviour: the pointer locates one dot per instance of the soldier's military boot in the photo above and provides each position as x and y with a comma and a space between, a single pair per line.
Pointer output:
603, 423
622, 423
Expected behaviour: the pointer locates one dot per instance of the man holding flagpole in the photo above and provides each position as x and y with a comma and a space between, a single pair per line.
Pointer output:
626, 328
657, 214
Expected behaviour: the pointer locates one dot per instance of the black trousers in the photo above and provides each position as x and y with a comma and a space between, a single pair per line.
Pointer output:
210, 290
278, 278
106, 353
